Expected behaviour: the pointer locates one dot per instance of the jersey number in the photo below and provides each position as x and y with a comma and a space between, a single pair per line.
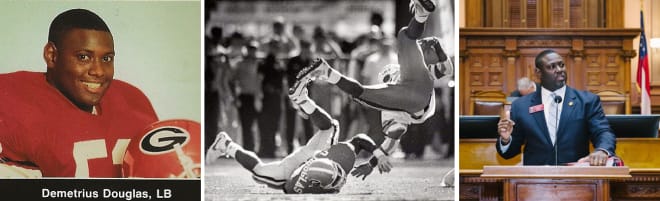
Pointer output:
91, 149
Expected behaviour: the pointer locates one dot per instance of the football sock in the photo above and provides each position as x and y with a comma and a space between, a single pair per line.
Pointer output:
421, 18
389, 144
321, 119
308, 106
414, 30
334, 76
232, 147
350, 86
247, 159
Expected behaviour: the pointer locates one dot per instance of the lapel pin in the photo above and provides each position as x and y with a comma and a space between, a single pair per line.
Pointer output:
570, 103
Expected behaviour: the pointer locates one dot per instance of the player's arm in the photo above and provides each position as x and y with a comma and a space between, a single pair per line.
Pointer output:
11, 167
363, 142
15, 171
12, 164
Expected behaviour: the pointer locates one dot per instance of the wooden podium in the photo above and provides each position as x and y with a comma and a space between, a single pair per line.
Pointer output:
556, 182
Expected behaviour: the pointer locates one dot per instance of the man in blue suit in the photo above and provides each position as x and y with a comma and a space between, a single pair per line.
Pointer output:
556, 122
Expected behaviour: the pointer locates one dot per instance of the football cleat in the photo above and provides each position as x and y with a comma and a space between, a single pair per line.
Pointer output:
218, 148
172, 146
318, 70
299, 94
428, 6
421, 9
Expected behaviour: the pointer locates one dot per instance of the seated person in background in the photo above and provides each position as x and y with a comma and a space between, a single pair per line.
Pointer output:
525, 86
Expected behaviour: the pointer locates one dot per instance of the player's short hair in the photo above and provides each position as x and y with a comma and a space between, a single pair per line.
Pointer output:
75, 19
538, 61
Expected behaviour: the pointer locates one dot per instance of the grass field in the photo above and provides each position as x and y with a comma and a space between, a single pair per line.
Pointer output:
409, 180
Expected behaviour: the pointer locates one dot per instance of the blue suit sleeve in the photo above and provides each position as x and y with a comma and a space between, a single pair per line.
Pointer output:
602, 136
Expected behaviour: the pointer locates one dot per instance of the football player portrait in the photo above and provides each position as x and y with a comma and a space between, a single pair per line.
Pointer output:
71, 106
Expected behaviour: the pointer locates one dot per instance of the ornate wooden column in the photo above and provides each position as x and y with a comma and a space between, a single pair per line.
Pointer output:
511, 55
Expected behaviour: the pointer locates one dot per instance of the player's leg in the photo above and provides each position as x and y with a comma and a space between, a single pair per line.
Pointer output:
411, 95
329, 128
393, 129
322, 140
271, 174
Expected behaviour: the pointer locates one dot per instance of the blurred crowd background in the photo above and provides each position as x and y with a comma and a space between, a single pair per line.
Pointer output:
254, 50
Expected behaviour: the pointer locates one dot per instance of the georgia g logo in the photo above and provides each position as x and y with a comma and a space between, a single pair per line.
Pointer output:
163, 140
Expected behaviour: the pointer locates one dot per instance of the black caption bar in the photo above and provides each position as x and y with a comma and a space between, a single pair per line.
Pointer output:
101, 189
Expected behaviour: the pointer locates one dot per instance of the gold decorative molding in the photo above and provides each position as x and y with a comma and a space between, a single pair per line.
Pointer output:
603, 43
576, 53
511, 53
628, 54
485, 43
545, 43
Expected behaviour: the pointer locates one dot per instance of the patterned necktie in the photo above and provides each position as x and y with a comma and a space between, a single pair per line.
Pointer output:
553, 120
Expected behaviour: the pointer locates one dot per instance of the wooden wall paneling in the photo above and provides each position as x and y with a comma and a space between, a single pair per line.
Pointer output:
652, 26
614, 13
463, 101
545, 13
494, 13
597, 59
557, 15
594, 13
577, 13
526, 66
484, 72
474, 13
592, 68
511, 55
532, 14
516, 13
577, 55
627, 54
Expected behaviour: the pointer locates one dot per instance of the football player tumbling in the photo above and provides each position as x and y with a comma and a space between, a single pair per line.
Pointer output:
320, 166
404, 100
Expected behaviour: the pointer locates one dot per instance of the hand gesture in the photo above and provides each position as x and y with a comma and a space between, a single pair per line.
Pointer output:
384, 164
505, 128
363, 170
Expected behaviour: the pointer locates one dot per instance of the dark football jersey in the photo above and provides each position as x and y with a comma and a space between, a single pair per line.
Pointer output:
41, 129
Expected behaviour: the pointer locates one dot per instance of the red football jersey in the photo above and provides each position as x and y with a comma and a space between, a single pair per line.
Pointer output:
340, 153
41, 129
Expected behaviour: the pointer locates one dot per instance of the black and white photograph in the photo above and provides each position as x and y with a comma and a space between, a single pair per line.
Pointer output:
333, 99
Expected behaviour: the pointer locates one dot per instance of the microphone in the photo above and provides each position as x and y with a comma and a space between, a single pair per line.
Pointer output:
557, 101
